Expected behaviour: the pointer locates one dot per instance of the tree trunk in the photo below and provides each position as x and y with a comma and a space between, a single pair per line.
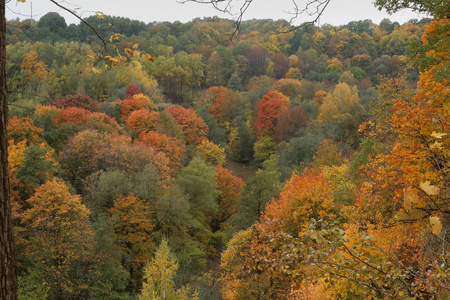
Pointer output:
8, 276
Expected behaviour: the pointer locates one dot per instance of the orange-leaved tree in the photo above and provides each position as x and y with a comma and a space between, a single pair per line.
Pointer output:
171, 147
406, 197
194, 127
268, 113
142, 121
72, 115
135, 102
229, 187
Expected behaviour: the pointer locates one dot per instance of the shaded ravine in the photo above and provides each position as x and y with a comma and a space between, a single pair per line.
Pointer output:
240, 169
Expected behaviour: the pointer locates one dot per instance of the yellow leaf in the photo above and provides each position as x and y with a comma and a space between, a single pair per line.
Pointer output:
100, 15
431, 190
408, 198
436, 225
135, 46
437, 135
136, 54
148, 57
436, 145
128, 51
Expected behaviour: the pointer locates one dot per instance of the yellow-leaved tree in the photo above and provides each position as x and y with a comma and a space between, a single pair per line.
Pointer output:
58, 243
159, 275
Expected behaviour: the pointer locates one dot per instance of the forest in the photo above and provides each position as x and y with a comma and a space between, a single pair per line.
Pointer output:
191, 164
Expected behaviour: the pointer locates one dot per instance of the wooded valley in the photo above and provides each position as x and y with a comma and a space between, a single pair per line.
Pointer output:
275, 164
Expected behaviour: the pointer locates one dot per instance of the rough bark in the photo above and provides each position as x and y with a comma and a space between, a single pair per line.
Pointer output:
8, 275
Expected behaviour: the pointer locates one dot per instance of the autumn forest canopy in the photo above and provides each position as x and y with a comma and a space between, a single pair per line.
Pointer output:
185, 163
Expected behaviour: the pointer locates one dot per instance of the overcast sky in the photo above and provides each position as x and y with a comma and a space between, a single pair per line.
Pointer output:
337, 13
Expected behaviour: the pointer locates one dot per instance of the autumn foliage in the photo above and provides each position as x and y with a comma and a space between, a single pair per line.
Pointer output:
132, 90
59, 238
268, 113
72, 115
289, 122
230, 190
304, 197
193, 126
132, 219
171, 147
225, 106
134, 103
142, 121
342, 146
23, 129
80, 101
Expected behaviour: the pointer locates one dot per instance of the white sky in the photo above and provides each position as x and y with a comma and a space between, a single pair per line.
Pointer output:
338, 12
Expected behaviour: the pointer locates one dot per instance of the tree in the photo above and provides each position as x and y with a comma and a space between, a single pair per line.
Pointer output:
302, 198
342, 108
33, 67
142, 121
72, 115
235, 83
171, 147
225, 106
289, 122
193, 126
60, 240
197, 182
437, 8
243, 277
8, 273
38, 166
23, 129
134, 103
52, 21
132, 90
159, 274
289, 87
132, 222
257, 192
294, 73
81, 101
280, 65
214, 70
264, 148
229, 187
269, 110
211, 153
80, 157
327, 154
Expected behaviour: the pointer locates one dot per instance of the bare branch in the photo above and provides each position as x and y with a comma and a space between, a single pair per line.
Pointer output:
312, 8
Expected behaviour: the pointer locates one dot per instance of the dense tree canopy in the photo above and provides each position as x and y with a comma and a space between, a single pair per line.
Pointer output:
308, 164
